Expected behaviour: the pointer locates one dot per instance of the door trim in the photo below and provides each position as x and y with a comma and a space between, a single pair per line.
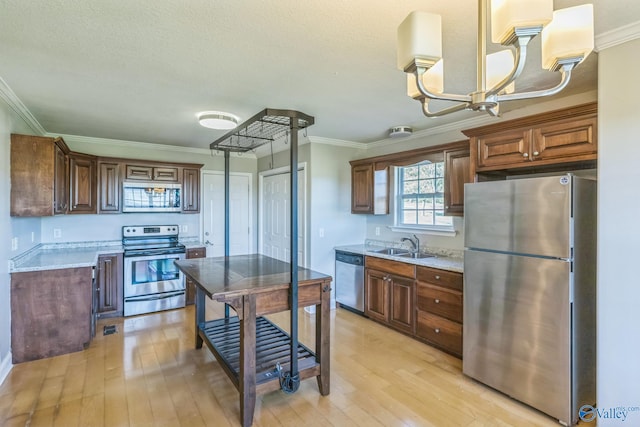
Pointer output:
302, 167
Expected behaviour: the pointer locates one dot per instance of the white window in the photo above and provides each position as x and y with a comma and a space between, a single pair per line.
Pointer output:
420, 197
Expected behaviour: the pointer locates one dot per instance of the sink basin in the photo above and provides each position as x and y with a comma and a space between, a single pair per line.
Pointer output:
416, 255
393, 251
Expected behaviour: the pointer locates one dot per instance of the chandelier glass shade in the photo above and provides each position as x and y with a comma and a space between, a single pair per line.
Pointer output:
567, 39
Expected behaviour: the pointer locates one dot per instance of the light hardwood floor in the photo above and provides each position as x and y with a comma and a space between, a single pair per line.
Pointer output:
149, 374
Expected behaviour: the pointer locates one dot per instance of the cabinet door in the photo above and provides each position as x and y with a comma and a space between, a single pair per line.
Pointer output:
362, 188
109, 287
565, 139
165, 174
457, 171
137, 172
401, 313
191, 287
191, 190
503, 149
83, 185
440, 332
376, 296
109, 187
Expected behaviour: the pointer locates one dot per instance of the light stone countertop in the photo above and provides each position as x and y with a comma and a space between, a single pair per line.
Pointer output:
64, 255
448, 262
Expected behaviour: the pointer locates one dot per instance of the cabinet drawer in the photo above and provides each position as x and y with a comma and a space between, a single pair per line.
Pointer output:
439, 331
196, 253
393, 267
445, 278
441, 301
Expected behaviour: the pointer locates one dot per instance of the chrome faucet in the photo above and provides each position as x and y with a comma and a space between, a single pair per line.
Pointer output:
415, 243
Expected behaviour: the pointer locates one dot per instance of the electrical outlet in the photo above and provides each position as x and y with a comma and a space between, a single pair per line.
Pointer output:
14, 244
57, 233
377, 231
184, 228
33, 236
321, 232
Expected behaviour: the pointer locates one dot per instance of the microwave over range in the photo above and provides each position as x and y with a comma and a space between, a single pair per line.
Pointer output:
147, 196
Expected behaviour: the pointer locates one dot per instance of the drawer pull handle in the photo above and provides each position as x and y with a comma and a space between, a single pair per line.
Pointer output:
437, 330
437, 301
437, 277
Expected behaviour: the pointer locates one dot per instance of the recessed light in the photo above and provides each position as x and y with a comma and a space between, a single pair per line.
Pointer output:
218, 120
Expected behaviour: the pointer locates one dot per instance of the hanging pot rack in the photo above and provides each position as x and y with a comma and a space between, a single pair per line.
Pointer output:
266, 127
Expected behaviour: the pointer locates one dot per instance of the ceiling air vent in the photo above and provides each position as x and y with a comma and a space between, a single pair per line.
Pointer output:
400, 131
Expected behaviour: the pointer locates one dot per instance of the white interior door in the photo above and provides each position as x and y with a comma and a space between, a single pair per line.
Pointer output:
239, 213
275, 225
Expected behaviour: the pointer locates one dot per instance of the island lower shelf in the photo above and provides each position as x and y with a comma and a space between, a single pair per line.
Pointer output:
273, 347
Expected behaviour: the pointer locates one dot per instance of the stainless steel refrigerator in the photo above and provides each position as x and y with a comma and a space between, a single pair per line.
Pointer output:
530, 290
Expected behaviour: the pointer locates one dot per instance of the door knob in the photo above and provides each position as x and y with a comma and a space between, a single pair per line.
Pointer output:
535, 153
437, 301
525, 155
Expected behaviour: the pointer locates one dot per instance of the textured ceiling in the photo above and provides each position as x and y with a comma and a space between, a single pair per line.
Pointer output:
141, 70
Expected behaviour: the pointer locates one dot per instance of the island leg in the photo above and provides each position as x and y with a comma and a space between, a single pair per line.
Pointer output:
200, 304
248, 360
323, 325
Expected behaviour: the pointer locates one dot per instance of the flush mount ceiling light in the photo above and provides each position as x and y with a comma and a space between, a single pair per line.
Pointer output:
218, 120
567, 39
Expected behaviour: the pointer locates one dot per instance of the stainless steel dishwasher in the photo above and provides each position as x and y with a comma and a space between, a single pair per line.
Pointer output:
350, 281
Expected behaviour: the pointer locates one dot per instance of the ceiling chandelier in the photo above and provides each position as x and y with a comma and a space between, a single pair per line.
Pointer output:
567, 39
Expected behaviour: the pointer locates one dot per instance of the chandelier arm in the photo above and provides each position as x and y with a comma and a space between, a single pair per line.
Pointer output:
565, 71
419, 74
521, 58
452, 109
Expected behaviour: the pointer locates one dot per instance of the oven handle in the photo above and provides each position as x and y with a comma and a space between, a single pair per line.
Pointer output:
155, 296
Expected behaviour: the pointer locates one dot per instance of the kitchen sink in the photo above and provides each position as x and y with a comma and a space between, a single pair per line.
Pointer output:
416, 255
393, 251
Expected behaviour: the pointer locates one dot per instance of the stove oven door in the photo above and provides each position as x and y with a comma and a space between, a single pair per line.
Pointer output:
152, 274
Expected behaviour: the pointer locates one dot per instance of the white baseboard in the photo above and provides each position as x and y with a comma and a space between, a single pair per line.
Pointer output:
5, 367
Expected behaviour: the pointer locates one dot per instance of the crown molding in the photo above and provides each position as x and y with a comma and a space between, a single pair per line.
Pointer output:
618, 36
337, 142
144, 145
21, 110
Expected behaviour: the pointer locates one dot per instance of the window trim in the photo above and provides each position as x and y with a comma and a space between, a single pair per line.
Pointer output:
441, 230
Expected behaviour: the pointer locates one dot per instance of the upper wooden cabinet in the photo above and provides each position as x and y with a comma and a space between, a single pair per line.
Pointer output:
370, 177
152, 173
457, 172
191, 190
110, 182
539, 141
49, 179
39, 176
83, 184
369, 189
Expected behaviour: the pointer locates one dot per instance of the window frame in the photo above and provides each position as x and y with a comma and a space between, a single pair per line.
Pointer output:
399, 197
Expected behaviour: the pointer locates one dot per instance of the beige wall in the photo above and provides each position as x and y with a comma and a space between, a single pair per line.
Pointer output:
10, 122
618, 380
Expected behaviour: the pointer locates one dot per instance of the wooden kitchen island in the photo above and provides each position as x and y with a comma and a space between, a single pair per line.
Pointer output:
248, 346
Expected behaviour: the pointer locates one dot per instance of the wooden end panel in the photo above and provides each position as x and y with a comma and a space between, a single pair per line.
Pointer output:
276, 301
440, 332
441, 301
449, 279
394, 267
50, 312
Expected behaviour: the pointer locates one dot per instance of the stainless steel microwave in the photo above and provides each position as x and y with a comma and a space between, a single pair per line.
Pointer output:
147, 196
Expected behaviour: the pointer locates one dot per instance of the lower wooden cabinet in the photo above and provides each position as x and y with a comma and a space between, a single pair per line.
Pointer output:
439, 308
200, 252
389, 293
109, 286
423, 302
